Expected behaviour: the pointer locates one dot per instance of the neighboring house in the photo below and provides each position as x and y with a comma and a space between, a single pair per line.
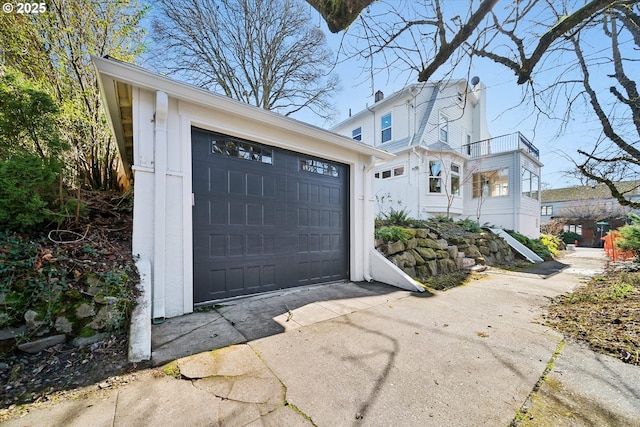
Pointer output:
589, 211
230, 199
446, 161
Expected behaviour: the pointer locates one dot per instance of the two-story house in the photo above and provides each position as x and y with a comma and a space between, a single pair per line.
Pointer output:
446, 161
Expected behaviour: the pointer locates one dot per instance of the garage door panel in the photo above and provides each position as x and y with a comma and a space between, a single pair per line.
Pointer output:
261, 226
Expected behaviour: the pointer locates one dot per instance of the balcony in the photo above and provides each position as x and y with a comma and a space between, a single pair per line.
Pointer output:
501, 144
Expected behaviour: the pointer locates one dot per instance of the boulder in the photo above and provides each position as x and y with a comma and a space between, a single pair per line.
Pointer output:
426, 253
395, 247
38, 345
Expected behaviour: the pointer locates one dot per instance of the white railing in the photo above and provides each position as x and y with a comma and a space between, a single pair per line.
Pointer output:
501, 144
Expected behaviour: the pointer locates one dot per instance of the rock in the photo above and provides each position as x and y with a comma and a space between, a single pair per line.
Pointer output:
106, 317
42, 343
85, 341
484, 250
416, 255
30, 319
63, 325
493, 246
442, 254
432, 267
472, 251
442, 244
406, 259
410, 271
12, 333
84, 310
426, 253
411, 244
395, 247
480, 260
446, 265
421, 233
453, 252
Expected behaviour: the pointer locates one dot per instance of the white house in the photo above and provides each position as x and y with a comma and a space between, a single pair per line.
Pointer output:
446, 161
230, 199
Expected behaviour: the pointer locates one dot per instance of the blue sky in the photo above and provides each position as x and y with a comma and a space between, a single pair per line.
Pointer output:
504, 113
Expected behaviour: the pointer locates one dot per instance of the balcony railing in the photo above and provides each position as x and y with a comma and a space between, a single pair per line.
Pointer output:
501, 144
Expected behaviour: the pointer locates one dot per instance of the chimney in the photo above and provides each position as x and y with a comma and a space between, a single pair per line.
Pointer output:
379, 96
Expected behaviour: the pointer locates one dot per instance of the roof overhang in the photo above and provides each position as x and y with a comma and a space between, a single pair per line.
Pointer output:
116, 80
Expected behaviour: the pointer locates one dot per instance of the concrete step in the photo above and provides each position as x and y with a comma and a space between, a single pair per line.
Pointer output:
468, 262
476, 268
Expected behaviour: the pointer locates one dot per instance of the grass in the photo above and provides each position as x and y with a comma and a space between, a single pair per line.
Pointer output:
604, 313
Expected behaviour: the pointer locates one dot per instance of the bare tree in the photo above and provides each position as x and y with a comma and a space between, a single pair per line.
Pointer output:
557, 51
263, 52
424, 35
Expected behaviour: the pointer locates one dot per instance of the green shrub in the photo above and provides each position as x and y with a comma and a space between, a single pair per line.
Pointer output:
551, 242
28, 191
469, 225
391, 234
630, 233
570, 237
397, 217
536, 245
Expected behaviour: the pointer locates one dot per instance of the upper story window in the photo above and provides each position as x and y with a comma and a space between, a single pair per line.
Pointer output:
444, 128
546, 210
356, 134
491, 183
386, 128
530, 183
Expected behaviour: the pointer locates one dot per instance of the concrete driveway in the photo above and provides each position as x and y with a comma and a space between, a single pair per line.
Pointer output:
366, 354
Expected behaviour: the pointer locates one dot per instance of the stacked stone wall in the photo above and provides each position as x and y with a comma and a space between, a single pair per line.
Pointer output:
426, 254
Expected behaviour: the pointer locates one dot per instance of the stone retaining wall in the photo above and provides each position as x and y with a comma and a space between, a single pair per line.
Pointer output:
426, 254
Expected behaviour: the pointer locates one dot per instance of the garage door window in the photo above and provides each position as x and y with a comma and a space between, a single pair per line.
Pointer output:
319, 167
241, 149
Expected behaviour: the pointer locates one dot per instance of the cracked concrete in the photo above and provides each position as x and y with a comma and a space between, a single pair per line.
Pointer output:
361, 354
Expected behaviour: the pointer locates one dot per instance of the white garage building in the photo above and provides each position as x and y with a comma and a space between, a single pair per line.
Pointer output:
230, 199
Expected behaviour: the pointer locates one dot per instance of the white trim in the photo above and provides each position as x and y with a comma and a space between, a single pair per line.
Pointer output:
160, 202
144, 79
187, 213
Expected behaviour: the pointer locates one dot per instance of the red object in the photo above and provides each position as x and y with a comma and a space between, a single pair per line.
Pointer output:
610, 249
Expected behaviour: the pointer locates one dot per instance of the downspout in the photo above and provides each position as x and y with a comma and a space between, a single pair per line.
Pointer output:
419, 157
159, 242
366, 239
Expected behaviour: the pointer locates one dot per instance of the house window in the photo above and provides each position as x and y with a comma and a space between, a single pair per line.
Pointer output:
356, 134
319, 167
573, 228
530, 182
546, 210
444, 128
455, 180
241, 149
491, 183
435, 176
397, 171
386, 128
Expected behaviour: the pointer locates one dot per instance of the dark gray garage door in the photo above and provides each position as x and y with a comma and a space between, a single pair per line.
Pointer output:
265, 218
